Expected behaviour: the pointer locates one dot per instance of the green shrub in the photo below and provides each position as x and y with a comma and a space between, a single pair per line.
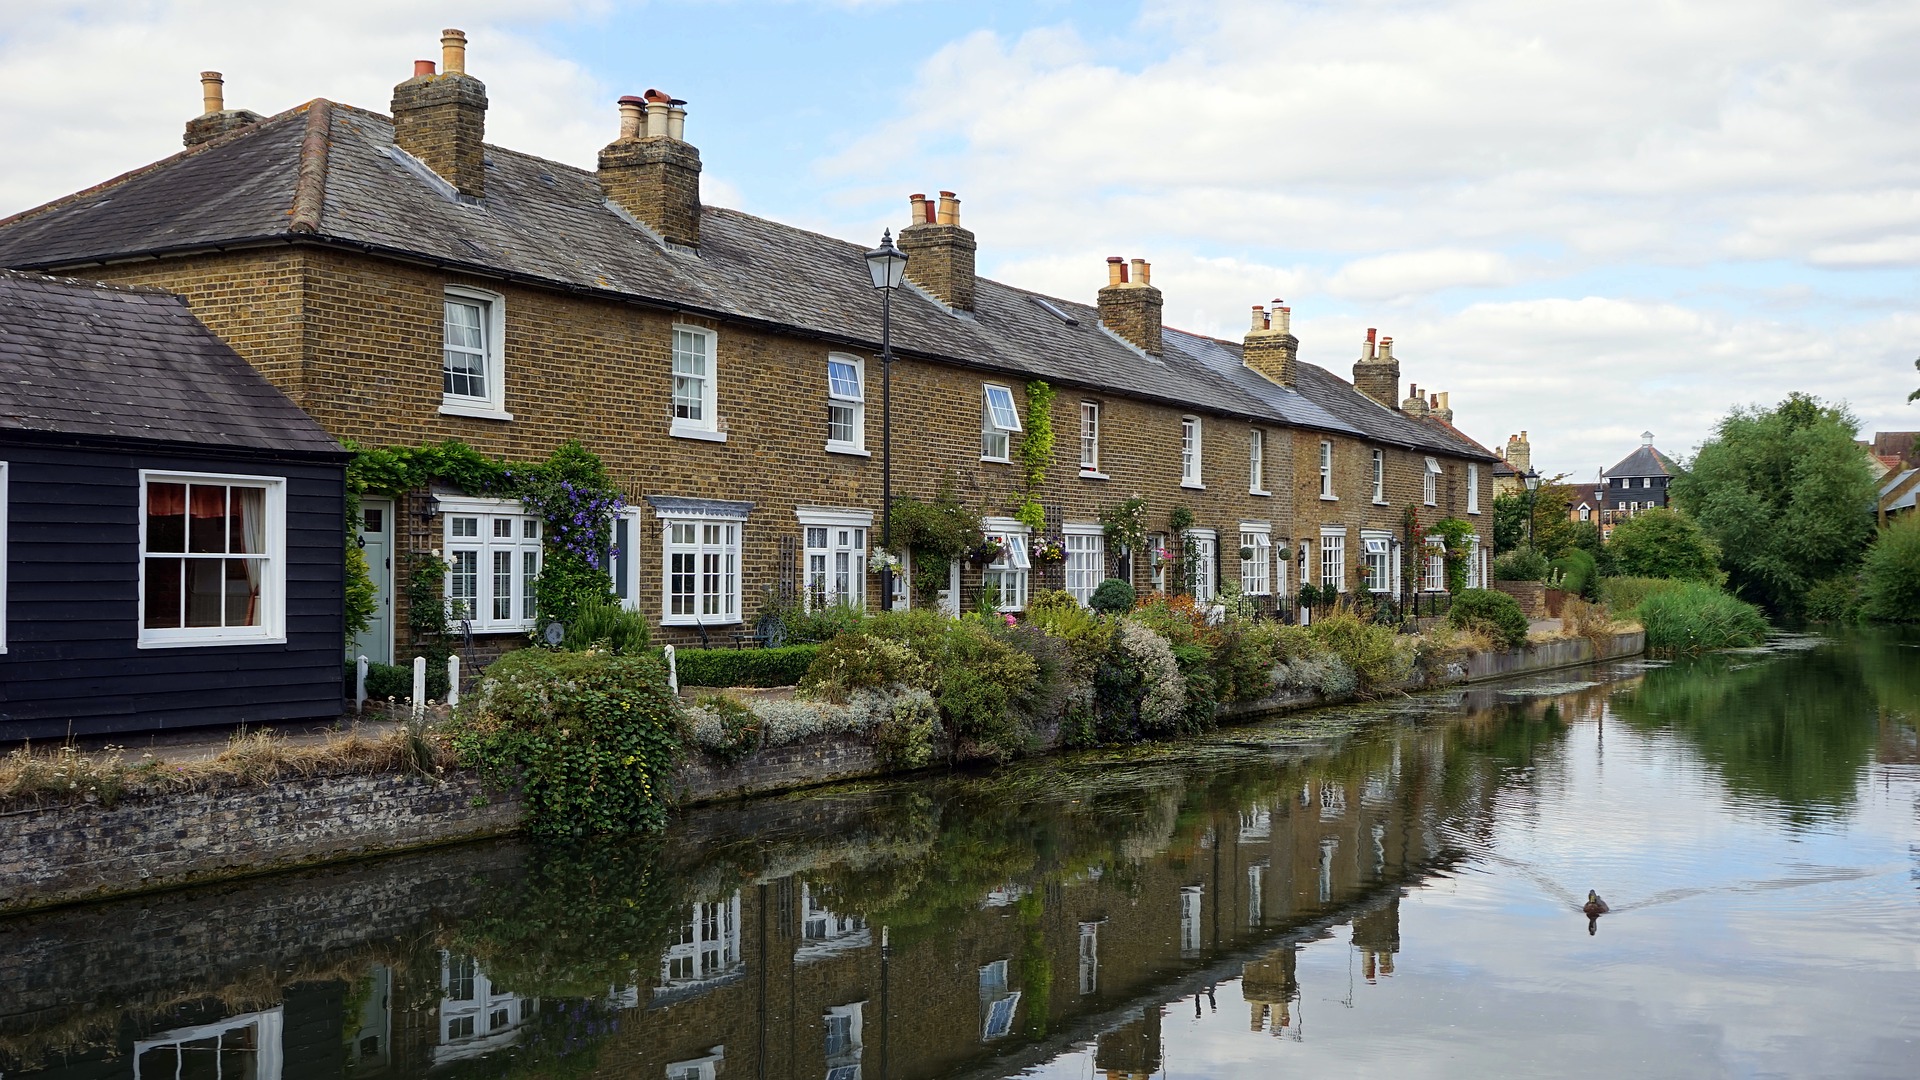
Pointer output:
1244, 659
823, 623
1890, 579
1624, 594
1578, 574
1661, 543
862, 662
1113, 597
1835, 600
983, 679
735, 732
1492, 613
1086, 636
1199, 688
607, 626
744, 667
920, 629
588, 739
1379, 660
905, 739
1161, 690
1696, 617
1325, 674
393, 682
1521, 564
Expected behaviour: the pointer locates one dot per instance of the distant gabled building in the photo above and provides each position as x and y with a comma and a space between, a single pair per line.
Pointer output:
1639, 482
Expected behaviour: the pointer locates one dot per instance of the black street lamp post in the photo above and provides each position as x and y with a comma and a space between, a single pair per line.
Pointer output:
888, 265
1532, 478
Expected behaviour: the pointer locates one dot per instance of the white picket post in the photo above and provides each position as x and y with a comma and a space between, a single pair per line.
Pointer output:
453, 681
359, 685
673, 672
419, 687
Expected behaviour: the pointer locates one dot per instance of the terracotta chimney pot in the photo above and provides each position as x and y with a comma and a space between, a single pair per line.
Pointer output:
453, 52
949, 213
918, 209
1141, 273
633, 116
1116, 270
212, 94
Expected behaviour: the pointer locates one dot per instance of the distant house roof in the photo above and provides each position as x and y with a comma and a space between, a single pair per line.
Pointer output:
85, 359
1897, 444
1645, 461
1893, 483
330, 174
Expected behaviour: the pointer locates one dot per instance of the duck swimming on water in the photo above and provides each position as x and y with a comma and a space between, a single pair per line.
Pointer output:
1594, 906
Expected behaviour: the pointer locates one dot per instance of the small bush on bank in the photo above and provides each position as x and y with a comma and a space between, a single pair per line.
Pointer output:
1697, 617
1521, 564
1577, 574
1624, 594
608, 627
1890, 579
1492, 613
588, 739
1374, 653
1835, 600
1113, 597
908, 736
783, 666
984, 681
862, 662
1590, 621
1324, 674
1176, 618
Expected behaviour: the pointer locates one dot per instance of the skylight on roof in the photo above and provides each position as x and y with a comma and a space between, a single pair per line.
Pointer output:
1057, 313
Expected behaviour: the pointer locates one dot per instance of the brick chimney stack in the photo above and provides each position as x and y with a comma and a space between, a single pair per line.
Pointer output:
939, 251
1441, 409
1378, 375
442, 118
651, 171
1519, 452
1270, 347
215, 118
1415, 405
1130, 305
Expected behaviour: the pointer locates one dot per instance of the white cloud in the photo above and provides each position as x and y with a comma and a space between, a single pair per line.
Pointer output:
1405, 273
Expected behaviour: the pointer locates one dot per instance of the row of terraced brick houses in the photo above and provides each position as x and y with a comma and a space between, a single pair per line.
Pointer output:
404, 281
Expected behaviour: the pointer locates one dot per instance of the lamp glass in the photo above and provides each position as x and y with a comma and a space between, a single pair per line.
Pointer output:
887, 264
1533, 480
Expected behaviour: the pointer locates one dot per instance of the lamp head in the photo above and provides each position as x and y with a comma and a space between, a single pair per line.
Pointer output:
1532, 478
887, 263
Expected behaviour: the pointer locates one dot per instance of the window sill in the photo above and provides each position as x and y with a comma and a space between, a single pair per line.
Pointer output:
689, 620
209, 642
848, 449
516, 628
1093, 474
475, 411
997, 460
1262, 493
1191, 486
700, 434
1329, 498
1429, 504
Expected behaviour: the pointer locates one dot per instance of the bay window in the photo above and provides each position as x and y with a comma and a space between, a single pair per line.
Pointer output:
493, 560
212, 559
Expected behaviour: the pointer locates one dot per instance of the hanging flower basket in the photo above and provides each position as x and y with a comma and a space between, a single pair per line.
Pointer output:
882, 561
1048, 549
984, 552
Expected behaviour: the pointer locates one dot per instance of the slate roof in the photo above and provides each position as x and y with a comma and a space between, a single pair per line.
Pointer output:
1893, 483
329, 173
79, 358
1645, 461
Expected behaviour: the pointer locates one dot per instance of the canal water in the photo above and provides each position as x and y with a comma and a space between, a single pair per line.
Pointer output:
1389, 890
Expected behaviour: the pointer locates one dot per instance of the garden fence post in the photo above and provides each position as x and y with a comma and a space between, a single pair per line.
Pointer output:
453, 681
419, 686
673, 671
359, 685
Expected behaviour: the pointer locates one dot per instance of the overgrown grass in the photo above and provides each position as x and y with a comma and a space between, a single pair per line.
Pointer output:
1624, 594
1695, 618
36, 776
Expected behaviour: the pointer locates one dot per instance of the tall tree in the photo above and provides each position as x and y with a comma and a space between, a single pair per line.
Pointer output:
1661, 543
1787, 495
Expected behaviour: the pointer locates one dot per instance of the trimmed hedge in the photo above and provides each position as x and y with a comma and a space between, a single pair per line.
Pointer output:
1492, 613
744, 667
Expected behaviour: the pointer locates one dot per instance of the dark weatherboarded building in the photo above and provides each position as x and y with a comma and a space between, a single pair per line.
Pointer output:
172, 534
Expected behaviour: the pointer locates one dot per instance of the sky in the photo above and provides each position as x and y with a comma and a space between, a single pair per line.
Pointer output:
1583, 220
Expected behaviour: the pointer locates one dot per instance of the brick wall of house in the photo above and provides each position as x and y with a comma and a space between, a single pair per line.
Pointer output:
357, 342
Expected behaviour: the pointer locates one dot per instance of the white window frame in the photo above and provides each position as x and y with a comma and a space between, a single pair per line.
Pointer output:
1091, 541
487, 548
1206, 547
1090, 440
1257, 462
1434, 561
1191, 443
1157, 569
1478, 560
1473, 488
845, 534
624, 565
273, 575
1326, 471
1379, 476
1430, 482
855, 403
1256, 574
491, 405
705, 544
1333, 558
706, 426
997, 429
1377, 549
1013, 571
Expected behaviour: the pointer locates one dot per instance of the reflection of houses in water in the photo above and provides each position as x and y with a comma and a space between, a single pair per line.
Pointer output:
244, 1047
705, 1067
1132, 1050
369, 1042
997, 1002
1269, 986
824, 932
844, 1040
1377, 935
1090, 957
475, 1017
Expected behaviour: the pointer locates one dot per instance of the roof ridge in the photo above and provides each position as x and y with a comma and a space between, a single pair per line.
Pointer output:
310, 186
153, 166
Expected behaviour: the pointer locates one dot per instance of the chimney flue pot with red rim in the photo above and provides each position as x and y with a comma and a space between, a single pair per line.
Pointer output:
940, 251
442, 119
